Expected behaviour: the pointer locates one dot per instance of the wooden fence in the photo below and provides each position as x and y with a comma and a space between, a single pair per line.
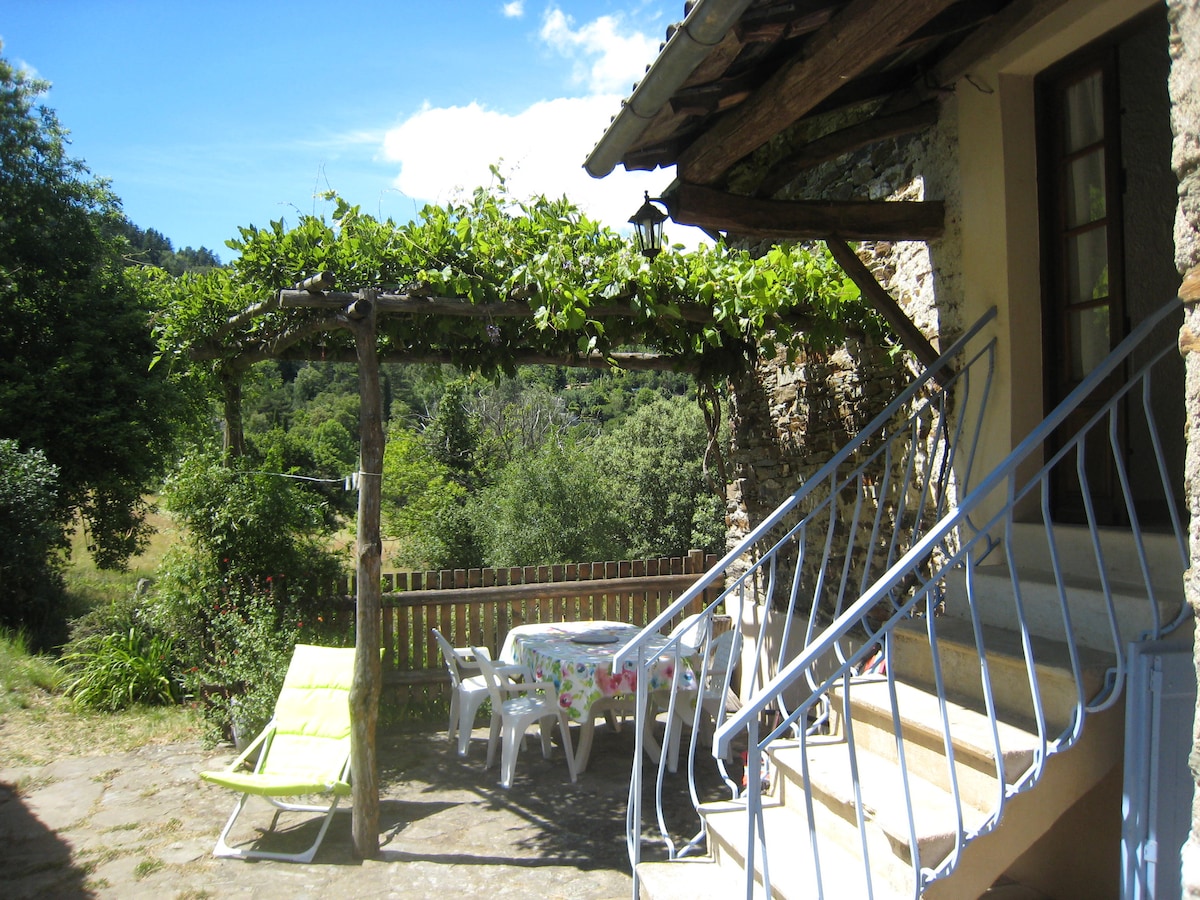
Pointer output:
480, 606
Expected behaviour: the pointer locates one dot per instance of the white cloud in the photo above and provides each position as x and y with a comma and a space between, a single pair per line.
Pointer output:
515, 9
604, 58
444, 151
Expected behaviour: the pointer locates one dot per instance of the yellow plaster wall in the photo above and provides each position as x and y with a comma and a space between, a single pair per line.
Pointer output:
998, 173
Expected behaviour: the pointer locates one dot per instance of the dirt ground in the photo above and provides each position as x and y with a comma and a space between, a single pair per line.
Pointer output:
143, 824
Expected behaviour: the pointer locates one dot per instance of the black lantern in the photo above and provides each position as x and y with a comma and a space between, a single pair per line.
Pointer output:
648, 227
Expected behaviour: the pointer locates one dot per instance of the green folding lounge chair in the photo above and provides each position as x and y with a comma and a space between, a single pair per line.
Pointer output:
303, 751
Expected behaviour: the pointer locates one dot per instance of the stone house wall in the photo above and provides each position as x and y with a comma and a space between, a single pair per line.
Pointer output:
787, 421
1184, 20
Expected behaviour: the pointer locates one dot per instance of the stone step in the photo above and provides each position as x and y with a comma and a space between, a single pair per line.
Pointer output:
1133, 613
882, 790
1007, 668
977, 771
794, 873
1077, 555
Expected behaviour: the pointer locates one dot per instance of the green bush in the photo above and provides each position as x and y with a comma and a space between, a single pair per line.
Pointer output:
32, 542
108, 672
252, 642
243, 586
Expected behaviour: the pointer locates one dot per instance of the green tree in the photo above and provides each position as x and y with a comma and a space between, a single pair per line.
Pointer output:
424, 506
549, 506
653, 461
75, 341
452, 436
31, 541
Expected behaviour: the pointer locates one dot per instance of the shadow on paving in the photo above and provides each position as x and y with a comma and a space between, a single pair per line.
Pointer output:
142, 824
438, 808
33, 853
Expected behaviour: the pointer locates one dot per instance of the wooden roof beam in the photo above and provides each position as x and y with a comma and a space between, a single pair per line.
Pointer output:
859, 36
886, 305
867, 220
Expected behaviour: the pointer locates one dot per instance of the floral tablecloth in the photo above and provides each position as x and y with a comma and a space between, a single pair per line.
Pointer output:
577, 657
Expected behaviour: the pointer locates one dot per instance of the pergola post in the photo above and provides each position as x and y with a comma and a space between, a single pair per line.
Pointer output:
366, 687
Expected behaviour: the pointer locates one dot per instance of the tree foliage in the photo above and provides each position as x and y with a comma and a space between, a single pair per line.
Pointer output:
31, 542
653, 464
75, 337
152, 248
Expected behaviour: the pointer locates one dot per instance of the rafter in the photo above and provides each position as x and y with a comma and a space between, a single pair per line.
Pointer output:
857, 37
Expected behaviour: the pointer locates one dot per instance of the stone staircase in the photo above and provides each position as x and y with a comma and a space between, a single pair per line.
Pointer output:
991, 768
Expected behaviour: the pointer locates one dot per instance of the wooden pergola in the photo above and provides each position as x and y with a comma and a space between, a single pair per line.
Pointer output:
236, 346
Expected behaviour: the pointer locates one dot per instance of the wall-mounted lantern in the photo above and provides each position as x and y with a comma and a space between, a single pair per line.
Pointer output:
648, 227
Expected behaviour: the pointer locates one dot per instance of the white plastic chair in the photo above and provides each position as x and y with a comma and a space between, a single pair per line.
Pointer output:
711, 699
690, 633
516, 706
469, 688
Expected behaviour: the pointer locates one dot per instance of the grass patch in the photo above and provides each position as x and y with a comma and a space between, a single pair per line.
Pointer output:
26, 679
89, 586
146, 867
56, 728
39, 725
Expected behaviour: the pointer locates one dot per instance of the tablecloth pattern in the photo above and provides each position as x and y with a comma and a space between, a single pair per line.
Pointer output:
581, 672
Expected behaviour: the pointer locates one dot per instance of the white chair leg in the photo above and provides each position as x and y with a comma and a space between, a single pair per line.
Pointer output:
508, 755
466, 720
587, 731
567, 749
493, 737
222, 849
454, 716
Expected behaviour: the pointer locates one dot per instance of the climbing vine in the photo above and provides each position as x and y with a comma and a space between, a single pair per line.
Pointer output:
532, 279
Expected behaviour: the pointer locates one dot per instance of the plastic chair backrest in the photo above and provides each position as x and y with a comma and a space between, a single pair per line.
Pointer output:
451, 658
720, 656
490, 677
690, 633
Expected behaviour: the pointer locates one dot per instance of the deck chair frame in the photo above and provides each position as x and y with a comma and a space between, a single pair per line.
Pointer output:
272, 785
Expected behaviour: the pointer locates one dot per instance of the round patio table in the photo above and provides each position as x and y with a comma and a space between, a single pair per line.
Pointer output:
578, 658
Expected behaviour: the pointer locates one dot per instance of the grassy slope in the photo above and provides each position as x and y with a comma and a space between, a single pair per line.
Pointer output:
37, 724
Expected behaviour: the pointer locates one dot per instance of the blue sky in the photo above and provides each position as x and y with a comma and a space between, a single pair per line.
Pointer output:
206, 116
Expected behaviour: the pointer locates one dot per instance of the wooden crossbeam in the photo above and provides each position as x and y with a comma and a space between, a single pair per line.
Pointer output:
863, 33
892, 220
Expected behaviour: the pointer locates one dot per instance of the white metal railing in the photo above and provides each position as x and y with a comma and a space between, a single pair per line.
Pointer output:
848, 524
910, 582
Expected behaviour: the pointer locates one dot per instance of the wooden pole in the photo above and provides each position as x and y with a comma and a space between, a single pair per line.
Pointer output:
910, 334
234, 439
366, 687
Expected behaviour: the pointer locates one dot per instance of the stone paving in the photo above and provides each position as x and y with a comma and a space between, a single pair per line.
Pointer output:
143, 824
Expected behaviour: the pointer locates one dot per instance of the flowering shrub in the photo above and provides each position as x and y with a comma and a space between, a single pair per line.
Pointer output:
252, 640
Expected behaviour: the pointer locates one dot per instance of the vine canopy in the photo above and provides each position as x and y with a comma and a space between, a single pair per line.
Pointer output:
488, 284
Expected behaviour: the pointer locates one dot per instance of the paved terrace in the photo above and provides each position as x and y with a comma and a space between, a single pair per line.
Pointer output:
142, 824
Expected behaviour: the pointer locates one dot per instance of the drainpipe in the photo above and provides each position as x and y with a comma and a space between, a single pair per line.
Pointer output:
703, 28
